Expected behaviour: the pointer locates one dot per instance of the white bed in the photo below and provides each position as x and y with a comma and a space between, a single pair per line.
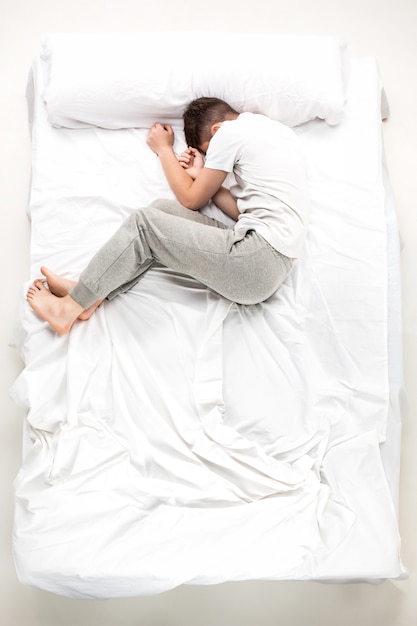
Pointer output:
176, 437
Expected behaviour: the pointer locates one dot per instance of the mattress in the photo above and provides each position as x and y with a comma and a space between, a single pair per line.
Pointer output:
179, 438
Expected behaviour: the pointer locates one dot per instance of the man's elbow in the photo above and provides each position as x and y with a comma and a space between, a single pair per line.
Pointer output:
191, 204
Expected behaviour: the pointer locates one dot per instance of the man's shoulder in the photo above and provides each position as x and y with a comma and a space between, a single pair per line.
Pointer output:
258, 124
260, 120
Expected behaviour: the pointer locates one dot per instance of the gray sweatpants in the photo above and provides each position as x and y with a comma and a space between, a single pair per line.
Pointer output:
239, 265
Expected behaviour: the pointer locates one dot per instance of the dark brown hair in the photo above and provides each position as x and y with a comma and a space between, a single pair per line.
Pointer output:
199, 117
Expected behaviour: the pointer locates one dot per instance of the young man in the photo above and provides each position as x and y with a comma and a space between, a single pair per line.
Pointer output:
246, 263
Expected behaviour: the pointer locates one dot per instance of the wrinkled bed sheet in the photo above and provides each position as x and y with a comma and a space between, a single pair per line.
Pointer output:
177, 437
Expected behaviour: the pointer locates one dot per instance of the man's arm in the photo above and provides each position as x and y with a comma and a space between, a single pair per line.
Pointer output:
193, 163
224, 200
192, 194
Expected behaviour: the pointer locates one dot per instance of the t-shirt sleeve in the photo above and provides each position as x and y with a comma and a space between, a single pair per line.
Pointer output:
222, 153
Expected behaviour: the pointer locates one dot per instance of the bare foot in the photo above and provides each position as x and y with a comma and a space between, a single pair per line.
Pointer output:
60, 313
60, 286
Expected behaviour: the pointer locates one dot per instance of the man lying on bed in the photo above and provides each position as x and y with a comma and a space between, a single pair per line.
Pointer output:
246, 263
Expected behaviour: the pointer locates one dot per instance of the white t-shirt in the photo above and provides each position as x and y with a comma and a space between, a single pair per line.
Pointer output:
271, 178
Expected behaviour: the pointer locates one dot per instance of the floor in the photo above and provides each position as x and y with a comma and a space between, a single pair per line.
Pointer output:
385, 29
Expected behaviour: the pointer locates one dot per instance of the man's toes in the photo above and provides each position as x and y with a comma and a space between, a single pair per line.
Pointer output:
40, 285
36, 287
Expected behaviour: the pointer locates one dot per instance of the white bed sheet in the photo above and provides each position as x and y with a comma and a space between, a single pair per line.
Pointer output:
179, 438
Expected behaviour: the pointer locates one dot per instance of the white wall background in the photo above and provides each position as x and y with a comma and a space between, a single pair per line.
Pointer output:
386, 29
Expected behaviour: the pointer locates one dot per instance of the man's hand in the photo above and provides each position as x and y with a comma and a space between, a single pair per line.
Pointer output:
191, 193
192, 161
160, 137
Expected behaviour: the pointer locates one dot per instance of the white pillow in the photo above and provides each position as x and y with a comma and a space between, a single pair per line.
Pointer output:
130, 80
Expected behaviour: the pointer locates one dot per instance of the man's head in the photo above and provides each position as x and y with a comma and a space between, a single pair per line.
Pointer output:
203, 117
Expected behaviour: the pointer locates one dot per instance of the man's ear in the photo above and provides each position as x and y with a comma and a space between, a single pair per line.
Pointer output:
215, 128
